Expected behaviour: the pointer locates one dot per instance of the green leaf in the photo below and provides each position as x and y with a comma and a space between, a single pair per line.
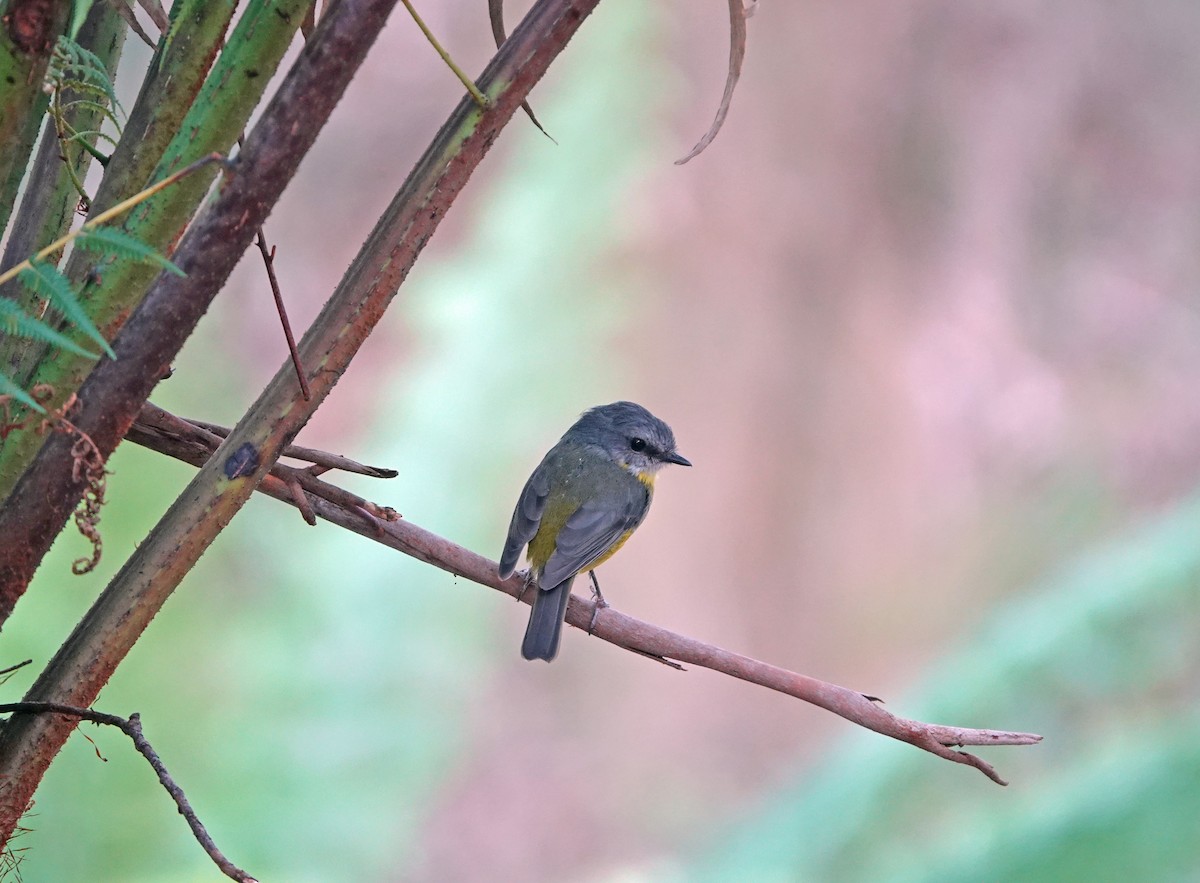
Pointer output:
18, 323
46, 281
74, 67
81, 137
79, 11
9, 388
83, 104
118, 243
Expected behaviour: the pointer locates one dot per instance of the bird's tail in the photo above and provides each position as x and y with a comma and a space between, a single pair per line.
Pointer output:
546, 621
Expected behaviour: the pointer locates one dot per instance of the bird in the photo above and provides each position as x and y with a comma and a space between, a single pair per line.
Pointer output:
584, 500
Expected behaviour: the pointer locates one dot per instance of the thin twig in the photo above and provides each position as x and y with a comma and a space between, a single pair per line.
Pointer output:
268, 256
613, 626
132, 727
737, 54
477, 96
5, 673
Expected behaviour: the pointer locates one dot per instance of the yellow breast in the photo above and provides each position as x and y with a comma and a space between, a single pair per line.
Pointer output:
612, 550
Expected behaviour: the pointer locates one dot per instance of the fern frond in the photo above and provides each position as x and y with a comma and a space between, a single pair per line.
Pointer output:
79, 69
9, 387
117, 243
80, 138
83, 87
46, 281
18, 323
87, 104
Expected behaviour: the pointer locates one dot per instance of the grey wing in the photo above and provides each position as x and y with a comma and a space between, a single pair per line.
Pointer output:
526, 518
590, 532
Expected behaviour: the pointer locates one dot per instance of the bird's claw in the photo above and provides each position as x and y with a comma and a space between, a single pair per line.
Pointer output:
525, 584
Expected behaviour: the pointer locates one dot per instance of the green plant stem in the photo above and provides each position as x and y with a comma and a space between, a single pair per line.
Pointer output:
175, 76
184, 56
27, 36
212, 124
48, 206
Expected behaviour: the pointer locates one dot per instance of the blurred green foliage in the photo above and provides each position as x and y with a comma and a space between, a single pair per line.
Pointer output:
1100, 658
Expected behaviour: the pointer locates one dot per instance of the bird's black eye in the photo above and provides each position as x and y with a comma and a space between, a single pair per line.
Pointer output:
638, 444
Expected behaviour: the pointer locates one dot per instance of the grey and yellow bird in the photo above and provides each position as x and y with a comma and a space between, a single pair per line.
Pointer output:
580, 505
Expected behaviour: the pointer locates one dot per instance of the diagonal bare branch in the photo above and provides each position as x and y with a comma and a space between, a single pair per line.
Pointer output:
326, 501
157, 14
126, 12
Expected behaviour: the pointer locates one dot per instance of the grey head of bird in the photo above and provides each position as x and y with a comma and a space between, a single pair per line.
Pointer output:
630, 435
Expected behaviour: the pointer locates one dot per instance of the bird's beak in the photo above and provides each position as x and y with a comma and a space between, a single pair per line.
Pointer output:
673, 457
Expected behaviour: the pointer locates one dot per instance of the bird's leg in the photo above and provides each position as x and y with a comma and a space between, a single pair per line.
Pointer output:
600, 603
596, 596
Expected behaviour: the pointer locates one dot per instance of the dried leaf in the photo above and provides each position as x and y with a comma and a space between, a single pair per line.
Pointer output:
157, 15
124, 10
737, 52
309, 24
496, 16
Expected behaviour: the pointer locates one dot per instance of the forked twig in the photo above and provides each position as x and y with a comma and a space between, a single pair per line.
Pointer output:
193, 442
321, 459
132, 727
